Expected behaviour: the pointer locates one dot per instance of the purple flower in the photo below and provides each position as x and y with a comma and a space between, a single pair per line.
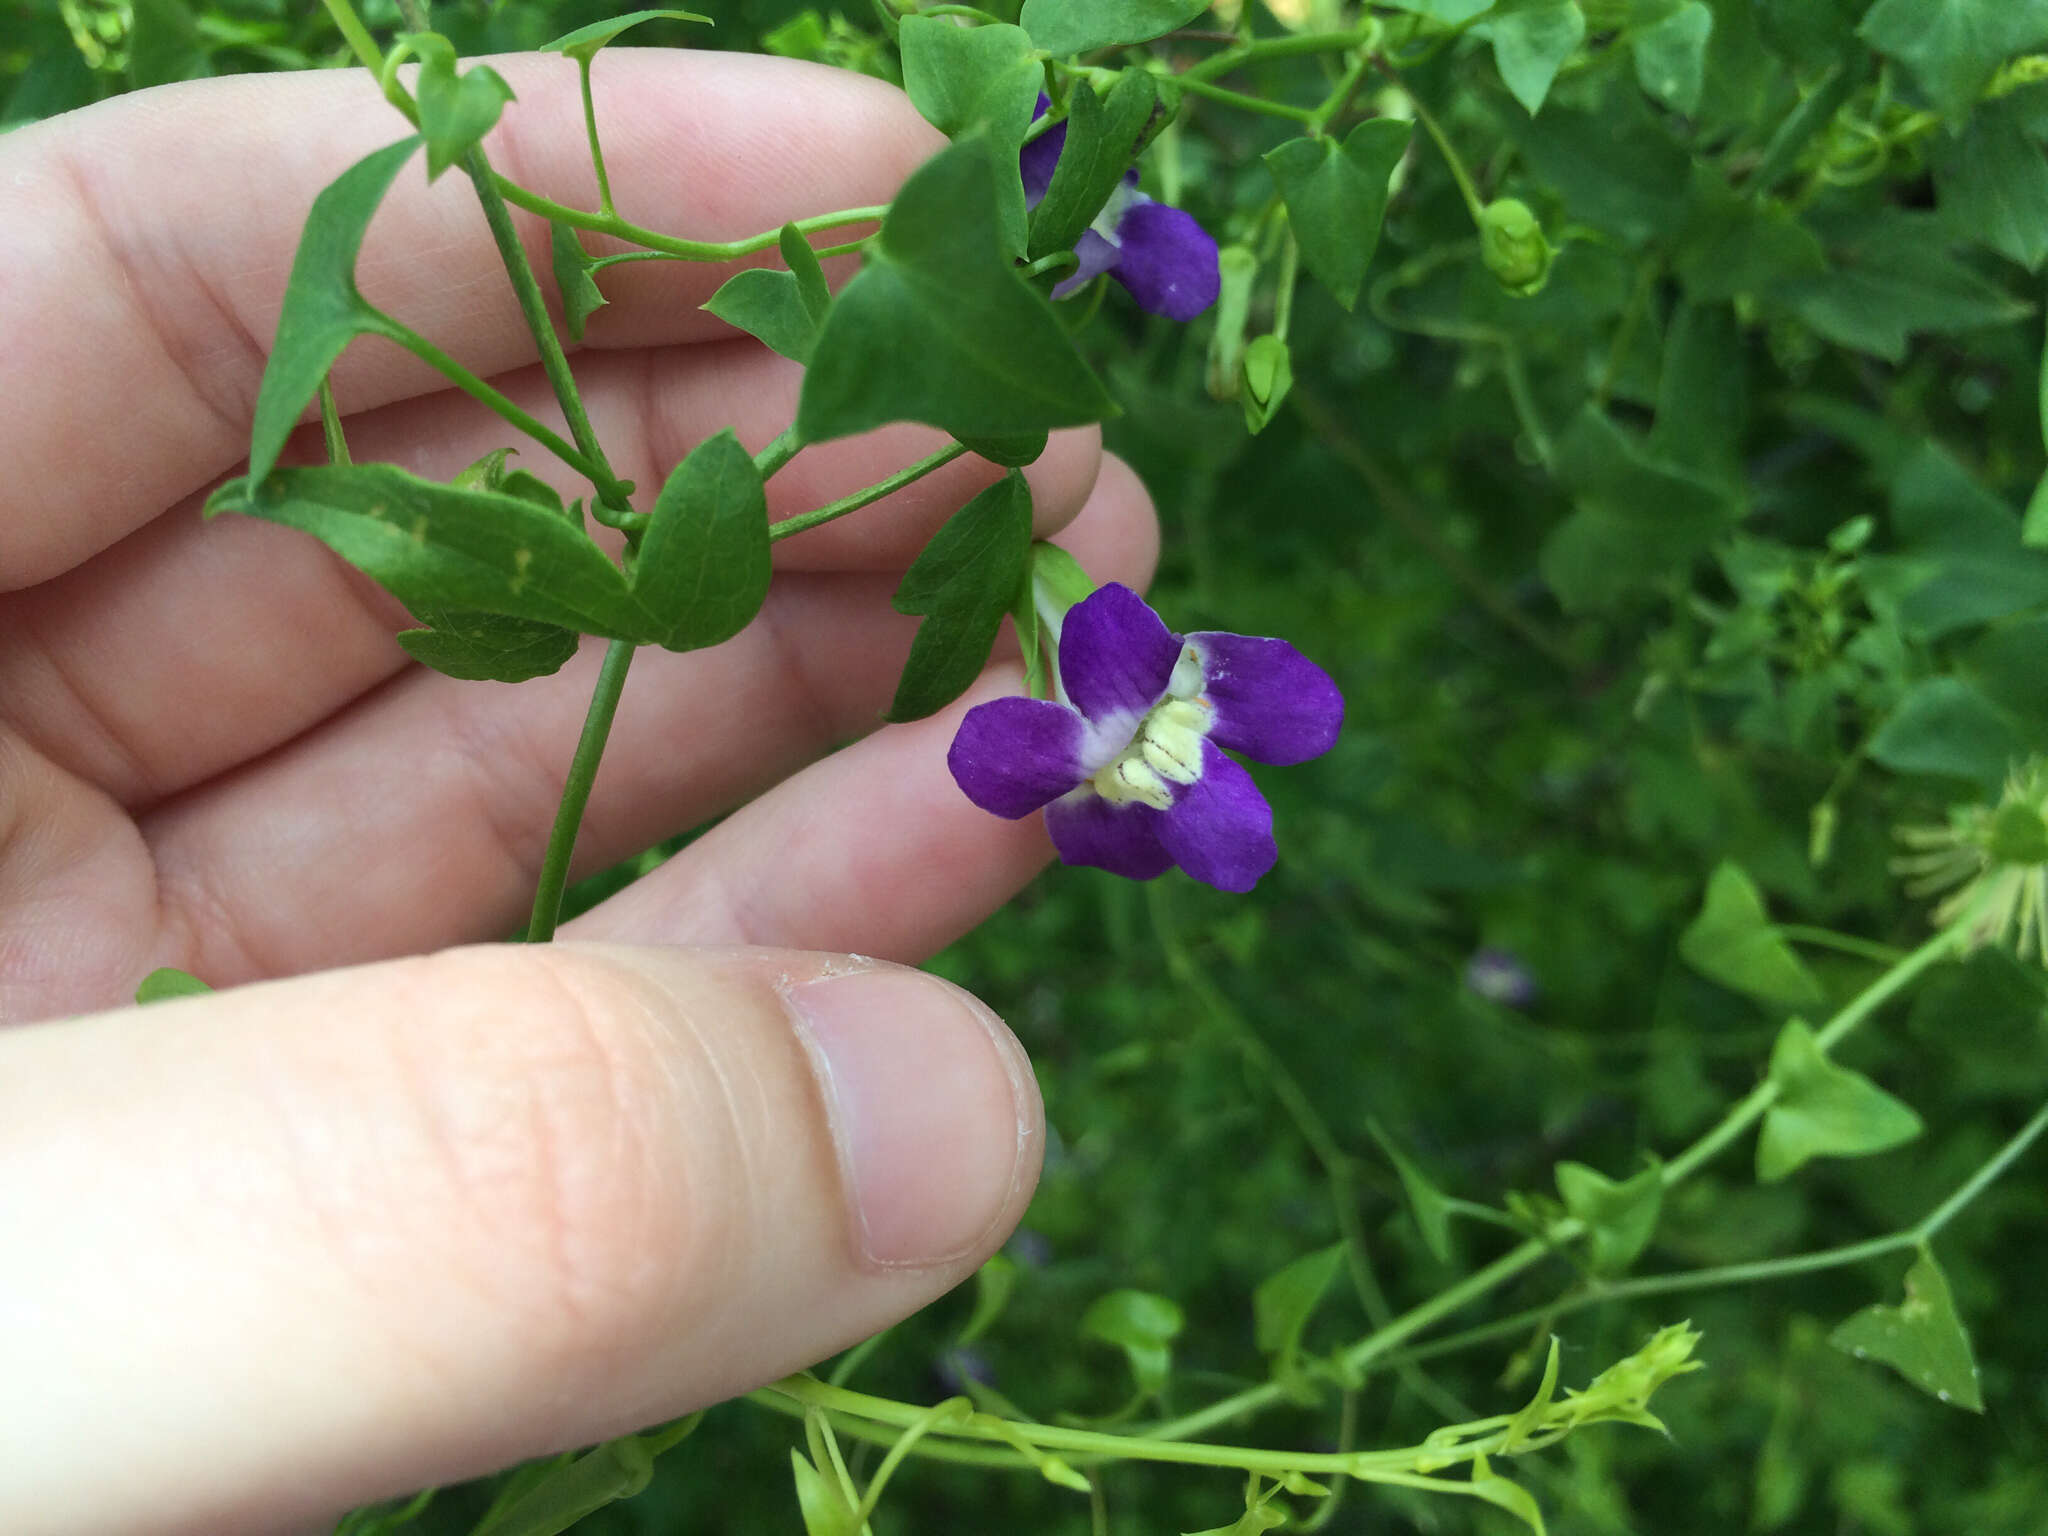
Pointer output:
1130, 767
1165, 259
1499, 976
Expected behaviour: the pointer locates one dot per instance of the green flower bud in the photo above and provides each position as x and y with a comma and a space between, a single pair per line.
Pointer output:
1268, 374
1512, 243
1238, 269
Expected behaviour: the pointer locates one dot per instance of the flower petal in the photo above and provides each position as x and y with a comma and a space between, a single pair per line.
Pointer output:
1167, 260
1011, 756
1116, 657
1038, 157
1123, 839
1097, 257
1272, 703
1220, 829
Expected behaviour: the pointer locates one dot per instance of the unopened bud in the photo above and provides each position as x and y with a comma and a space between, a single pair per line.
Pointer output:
1512, 243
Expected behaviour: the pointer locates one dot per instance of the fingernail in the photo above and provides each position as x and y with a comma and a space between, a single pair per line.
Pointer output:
930, 1105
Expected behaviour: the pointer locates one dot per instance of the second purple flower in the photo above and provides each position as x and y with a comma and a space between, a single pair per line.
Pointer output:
1158, 252
1128, 763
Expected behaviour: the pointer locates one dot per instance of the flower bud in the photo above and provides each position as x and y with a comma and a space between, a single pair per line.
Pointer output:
1267, 374
1512, 242
1238, 269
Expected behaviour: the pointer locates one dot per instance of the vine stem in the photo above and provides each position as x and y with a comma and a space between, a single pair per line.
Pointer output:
654, 240
1919, 1235
1474, 204
604, 181
597, 727
534, 307
864, 497
484, 393
1279, 48
1744, 1113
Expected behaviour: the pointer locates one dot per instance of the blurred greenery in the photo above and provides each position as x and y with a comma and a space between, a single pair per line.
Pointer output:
1703, 563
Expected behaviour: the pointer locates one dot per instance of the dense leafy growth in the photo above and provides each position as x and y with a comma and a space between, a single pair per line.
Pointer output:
1647, 415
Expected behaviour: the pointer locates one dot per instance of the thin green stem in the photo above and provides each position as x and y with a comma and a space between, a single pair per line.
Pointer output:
787, 445
1947, 1211
1340, 95
1229, 59
1841, 943
356, 35
330, 425
604, 181
654, 240
1283, 291
1466, 189
1376, 1465
533, 306
597, 727
805, 521
1918, 1235
1258, 105
484, 394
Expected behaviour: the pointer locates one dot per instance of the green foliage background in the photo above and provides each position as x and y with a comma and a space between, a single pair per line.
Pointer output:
1710, 551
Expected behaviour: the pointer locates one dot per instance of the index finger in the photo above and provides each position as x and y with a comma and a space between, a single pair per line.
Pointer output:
147, 242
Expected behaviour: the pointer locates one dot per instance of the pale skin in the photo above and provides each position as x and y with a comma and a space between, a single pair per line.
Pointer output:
391, 1212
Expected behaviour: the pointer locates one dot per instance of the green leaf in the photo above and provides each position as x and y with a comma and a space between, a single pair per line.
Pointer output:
1733, 245
1946, 728
576, 277
164, 44
1963, 562
456, 111
802, 261
1498, 1491
1993, 185
1823, 1110
1620, 1218
1143, 1326
435, 547
1639, 517
963, 79
584, 42
1892, 277
1062, 27
1452, 13
1952, 47
1102, 136
1010, 452
768, 306
939, 328
573, 1489
167, 982
783, 310
1428, 1204
1336, 197
487, 647
1921, 1338
994, 1283
1732, 942
964, 582
1531, 40
1671, 56
322, 310
703, 566
1816, 110
820, 1501
1285, 1300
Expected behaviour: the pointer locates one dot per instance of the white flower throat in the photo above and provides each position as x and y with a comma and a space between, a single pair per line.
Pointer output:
1166, 749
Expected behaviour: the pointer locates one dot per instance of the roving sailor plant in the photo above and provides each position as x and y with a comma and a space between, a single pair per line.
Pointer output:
1127, 761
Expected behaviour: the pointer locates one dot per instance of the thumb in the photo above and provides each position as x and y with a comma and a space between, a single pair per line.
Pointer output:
282, 1250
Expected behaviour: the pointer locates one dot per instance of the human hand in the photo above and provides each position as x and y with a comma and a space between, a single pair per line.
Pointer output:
309, 1243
